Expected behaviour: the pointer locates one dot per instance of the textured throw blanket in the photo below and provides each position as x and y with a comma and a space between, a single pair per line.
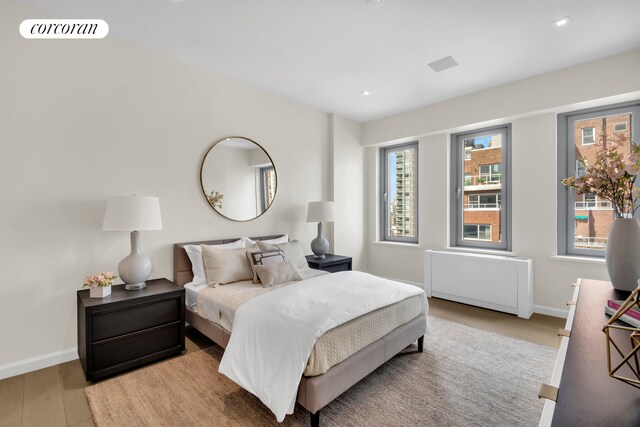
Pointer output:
273, 334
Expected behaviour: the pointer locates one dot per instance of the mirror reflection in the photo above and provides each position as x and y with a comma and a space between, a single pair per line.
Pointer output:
238, 178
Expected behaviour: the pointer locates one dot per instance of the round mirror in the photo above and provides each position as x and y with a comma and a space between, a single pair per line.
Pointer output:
238, 178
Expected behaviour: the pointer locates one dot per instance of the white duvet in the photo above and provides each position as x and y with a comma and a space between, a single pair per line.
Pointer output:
273, 334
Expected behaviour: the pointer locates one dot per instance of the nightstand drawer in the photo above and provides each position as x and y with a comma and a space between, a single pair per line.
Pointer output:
130, 347
331, 263
132, 318
336, 268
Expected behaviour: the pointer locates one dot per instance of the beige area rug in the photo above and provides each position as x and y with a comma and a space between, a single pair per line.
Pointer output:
465, 377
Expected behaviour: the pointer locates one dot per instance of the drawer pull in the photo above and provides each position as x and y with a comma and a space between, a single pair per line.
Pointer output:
564, 333
571, 302
548, 392
574, 285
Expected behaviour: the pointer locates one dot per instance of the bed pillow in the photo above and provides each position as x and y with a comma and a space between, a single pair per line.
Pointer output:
282, 239
247, 242
194, 252
274, 274
264, 258
292, 252
222, 266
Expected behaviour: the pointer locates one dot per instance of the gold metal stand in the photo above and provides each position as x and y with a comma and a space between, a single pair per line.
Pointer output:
630, 359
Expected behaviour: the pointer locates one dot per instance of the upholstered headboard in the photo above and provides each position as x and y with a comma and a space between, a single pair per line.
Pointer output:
182, 272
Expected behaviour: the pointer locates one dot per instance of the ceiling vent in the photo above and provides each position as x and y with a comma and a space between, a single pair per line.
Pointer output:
443, 64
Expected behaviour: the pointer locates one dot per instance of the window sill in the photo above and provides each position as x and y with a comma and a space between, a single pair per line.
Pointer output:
480, 251
397, 244
573, 258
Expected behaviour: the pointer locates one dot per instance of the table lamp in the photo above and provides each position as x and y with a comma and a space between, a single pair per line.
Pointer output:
320, 212
134, 214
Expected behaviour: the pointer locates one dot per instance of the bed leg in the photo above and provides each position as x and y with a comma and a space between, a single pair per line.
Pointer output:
421, 344
315, 419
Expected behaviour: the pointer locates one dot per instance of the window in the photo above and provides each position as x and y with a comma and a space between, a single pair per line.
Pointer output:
584, 220
620, 127
581, 167
268, 184
480, 203
588, 136
477, 232
399, 193
483, 201
489, 173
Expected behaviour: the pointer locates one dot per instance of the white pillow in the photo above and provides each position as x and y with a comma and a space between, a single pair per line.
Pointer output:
194, 252
277, 240
247, 242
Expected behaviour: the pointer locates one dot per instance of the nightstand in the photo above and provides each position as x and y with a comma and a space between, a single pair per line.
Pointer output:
331, 263
128, 329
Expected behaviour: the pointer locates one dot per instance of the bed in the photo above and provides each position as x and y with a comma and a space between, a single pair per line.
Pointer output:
316, 389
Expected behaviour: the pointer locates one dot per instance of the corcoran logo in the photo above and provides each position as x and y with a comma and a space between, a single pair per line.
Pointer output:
64, 29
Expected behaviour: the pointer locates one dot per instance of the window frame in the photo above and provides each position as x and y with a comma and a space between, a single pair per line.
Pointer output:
620, 123
384, 191
566, 221
264, 187
457, 181
478, 239
593, 136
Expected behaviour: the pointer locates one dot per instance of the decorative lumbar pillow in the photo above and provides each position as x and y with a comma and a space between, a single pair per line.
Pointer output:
222, 266
274, 274
194, 252
293, 251
264, 258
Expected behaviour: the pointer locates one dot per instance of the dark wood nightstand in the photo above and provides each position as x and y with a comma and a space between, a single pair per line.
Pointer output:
330, 262
128, 329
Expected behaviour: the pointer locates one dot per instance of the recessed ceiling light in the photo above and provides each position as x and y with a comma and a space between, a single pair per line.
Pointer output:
375, 3
365, 93
562, 21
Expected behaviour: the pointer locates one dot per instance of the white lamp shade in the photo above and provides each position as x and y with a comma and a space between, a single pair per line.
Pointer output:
132, 213
320, 212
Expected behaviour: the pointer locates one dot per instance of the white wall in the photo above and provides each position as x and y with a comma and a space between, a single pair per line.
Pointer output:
531, 106
348, 190
84, 120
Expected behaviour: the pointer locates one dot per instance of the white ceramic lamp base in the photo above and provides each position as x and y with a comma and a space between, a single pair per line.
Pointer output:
136, 268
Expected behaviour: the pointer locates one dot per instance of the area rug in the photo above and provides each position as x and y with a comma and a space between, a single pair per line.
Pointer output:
465, 377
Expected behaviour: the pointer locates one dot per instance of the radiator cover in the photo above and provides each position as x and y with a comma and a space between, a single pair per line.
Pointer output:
497, 282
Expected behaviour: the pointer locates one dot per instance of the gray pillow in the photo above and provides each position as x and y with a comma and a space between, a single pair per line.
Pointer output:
292, 252
274, 274
264, 258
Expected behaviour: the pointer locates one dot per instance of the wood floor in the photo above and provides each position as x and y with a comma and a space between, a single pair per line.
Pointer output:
55, 396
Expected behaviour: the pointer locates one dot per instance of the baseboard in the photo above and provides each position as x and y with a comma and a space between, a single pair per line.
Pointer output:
549, 311
39, 362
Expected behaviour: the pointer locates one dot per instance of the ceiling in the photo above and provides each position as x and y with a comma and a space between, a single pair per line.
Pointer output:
324, 53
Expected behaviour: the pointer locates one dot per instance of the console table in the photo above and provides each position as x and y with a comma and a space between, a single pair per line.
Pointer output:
587, 395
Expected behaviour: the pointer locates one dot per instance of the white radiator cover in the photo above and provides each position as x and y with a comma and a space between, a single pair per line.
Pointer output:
497, 282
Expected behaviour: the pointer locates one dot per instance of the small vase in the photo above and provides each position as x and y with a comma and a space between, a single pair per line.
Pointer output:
99, 291
623, 253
